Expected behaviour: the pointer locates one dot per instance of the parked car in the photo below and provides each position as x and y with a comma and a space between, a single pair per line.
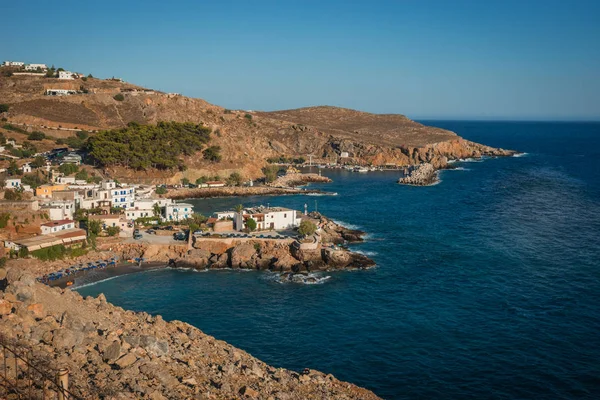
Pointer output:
137, 236
136, 231
168, 228
179, 236
151, 231
198, 232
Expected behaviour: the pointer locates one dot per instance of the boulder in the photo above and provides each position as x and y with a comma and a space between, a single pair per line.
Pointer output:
126, 360
153, 345
248, 392
5, 307
67, 338
112, 352
241, 255
37, 309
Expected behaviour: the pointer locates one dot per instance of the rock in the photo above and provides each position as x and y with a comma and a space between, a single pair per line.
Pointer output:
190, 381
248, 392
67, 338
241, 255
37, 309
126, 360
5, 307
420, 175
153, 345
112, 352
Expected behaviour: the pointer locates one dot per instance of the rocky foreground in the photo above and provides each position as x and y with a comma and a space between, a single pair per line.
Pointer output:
420, 175
112, 353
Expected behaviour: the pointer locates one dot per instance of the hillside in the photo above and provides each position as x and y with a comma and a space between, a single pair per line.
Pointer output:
246, 139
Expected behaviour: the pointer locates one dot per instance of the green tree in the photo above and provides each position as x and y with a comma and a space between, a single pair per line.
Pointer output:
13, 195
119, 97
161, 190
201, 180
68, 168
156, 210
13, 168
113, 230
38, 162
235, 179
4, 108
185, 181
239, 208
82, 135
23, 252
82, 175
248, 116
307, 228
94, 227
212, 153
36, 135
270, 172
251, 224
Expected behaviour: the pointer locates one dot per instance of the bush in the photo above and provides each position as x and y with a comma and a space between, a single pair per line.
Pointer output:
212, 153
148, 146
4, 220
36, 136
82, 135
75, 142
161, 190
270, 172
227, 111
4, 108
82, 175
68, 168
235, 179
23, 252
251, 224
38, 162
307, 228
13, 195
119, 97
248, 116
84, 78
13, 128
33, 180
113, 230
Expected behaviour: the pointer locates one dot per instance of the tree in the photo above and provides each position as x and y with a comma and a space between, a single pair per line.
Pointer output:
239, 208
201, 180
13, 168
185, 181
156, 210
82, 175
13, 195
270, 172
248, 116
4, 108
235, 179
94, 227
161, 190
113, 230
38, 162
251, 224
119, 97
82, 135
307, 228
212, 153
68, 168
36, 135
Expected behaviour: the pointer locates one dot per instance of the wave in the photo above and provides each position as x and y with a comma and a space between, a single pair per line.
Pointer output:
346, 225
520, 154
308, 279
368, 253
458, 169
470, 159
75, 287
322, 194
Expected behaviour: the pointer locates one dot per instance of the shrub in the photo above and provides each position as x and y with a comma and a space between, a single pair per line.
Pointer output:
4, 108
248, 116
212, 153
251, 224
36, 135
84, 78
148, 146
82, 175
4, 219
82, 135
13, 195
68, 168
161, 190
113, 230
38, 162
23, 252
119, 97
307, 228
270, 172
227, 111
235, 179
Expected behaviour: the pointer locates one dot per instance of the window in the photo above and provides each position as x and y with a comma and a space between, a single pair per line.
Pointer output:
284, 215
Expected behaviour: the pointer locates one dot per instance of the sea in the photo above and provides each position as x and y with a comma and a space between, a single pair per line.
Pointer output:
487, 284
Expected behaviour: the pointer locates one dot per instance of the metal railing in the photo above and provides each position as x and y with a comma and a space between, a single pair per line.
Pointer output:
24, 376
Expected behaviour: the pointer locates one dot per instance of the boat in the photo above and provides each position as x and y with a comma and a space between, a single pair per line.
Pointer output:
361, 169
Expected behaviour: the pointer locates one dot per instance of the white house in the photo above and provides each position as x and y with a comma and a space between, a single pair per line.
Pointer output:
344, 154
35, 67
12, 183
178, 211
65, 75
267, 218
57, 226
64, 180
72, 158
13, 64
26, 168
215, 183
60, 209
59, 92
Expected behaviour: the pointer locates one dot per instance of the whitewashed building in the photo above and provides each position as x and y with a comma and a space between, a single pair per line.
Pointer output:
178, 211
26, 168
35, 67
59, 92
60, 209
12, 183
66, 75
13, 64
57, 226
267, 218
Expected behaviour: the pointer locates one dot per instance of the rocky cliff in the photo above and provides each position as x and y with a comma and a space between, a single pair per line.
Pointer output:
247, 139
112, 353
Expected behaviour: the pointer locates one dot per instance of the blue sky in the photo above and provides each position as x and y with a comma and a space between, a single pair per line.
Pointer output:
426, 59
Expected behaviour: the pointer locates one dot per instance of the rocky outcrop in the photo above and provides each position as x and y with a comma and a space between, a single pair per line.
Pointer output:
297, 179
420, 175
113, 353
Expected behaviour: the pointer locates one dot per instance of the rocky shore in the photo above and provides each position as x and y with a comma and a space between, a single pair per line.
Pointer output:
420, 175
112, 353
297, 179
229, 191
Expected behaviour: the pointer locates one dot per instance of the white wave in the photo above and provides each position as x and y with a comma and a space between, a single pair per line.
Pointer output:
346, 225
520, 154
458, 169
470, 159
74, 287
367, 253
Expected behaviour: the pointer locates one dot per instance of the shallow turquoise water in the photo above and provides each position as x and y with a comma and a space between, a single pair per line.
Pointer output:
487, 285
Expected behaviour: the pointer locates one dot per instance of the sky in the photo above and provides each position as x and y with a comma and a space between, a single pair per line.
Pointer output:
484, 59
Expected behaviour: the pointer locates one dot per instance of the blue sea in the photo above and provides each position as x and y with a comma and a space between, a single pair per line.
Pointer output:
487, 285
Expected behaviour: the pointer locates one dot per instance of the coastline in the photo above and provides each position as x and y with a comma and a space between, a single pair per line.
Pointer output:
239, 191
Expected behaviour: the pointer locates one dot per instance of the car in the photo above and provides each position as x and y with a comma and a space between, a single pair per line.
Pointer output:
136, 231
168, 228
137, 237
151, 231
198, 232
179, 236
